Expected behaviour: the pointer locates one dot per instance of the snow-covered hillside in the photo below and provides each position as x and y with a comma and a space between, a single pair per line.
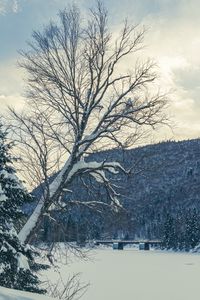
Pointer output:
8, 294
164, 181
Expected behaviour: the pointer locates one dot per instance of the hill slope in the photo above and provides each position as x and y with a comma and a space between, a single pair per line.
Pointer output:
164, 181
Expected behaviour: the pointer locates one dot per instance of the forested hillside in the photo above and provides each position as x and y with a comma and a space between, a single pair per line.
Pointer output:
161, 195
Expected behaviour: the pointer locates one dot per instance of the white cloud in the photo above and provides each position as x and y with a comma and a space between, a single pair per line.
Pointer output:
11, 86
14, 100
9, 6
2, 7
15, 6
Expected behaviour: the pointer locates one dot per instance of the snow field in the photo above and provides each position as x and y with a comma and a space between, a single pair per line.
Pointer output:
127, 275
131, 274
9, 294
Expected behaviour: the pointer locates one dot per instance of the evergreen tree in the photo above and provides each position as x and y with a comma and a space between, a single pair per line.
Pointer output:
169, 233
18, 268
192, 229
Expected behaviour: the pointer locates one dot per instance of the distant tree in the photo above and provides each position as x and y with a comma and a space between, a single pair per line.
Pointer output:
170, 238
18, 268
192, 229
81, 100
181, 231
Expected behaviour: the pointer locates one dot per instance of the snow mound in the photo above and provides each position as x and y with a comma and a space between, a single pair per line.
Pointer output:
10, 294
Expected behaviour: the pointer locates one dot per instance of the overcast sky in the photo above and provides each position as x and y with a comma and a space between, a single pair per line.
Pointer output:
173, 40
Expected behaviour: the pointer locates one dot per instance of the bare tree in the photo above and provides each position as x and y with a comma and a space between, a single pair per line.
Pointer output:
79, 100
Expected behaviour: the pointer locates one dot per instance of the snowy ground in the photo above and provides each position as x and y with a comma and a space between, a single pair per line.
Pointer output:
131, 274
8, 294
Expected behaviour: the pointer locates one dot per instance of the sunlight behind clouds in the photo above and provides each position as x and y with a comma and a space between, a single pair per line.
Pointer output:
173, 40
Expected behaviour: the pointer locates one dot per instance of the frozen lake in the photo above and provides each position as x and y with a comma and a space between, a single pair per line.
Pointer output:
131, 274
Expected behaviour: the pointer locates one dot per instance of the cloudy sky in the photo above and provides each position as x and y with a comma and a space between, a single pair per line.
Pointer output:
173, 40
